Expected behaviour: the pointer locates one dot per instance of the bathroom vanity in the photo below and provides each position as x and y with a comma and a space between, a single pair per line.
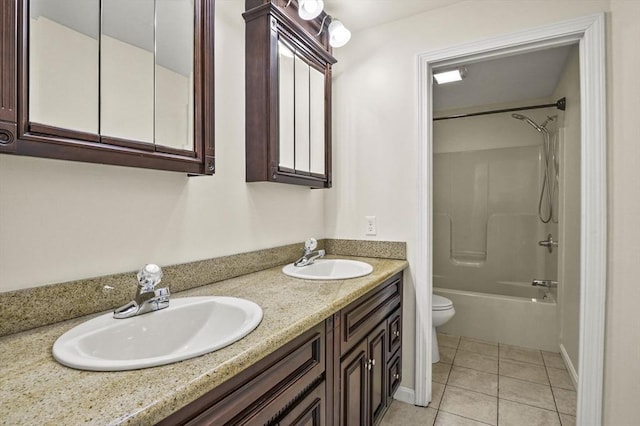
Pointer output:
326, 352
342, 371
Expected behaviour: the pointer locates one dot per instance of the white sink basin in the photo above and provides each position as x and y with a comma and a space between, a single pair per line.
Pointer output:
189, 327
329, 269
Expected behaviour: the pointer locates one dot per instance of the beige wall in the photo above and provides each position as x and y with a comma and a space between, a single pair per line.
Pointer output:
63, 220
569, 223
622, 348
375, 122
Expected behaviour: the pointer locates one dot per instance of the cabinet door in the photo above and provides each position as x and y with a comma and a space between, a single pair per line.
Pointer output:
395, 332
377, 372
394, 377
353, 400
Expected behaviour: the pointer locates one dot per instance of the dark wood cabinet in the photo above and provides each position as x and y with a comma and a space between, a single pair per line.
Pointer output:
371, 341
364, 376
309, 411
28, 128
8, 75
287, 385
341, 372
288, 95
353, 388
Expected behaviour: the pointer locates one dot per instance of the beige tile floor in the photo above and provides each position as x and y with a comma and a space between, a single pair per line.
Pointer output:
480, 383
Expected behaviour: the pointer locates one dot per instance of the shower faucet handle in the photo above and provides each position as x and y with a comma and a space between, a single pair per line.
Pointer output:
549, 243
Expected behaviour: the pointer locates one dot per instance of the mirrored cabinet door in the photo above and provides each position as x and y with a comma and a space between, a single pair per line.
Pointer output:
174, 77
317, 122
127, 45
301, 115
127, 82
286, 112
288, 96
64, 58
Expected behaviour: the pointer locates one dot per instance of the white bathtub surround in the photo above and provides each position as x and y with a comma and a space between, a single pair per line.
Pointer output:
521, 321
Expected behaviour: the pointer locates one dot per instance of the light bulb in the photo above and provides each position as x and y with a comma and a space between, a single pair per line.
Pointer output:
338, 34
309, 9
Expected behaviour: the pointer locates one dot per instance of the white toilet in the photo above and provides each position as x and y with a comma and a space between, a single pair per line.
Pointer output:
441, 312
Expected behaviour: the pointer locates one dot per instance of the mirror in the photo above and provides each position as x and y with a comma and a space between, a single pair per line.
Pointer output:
316, 121
286, 113
301, 117
125, 70
64, 62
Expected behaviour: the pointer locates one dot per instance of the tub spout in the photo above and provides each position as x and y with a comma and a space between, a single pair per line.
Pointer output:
544, 283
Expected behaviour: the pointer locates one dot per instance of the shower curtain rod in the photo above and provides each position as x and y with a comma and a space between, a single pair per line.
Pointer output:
561, 104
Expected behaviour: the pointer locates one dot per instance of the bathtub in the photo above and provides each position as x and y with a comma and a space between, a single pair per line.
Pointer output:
526, 317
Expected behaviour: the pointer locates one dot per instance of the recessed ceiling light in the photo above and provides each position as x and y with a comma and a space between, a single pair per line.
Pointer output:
450, 76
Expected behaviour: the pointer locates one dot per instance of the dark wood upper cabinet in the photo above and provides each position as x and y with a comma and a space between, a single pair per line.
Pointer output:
288, 95
110, 81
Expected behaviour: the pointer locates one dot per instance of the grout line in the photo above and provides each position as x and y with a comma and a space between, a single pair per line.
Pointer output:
498, 394
468, 418
469, 368
524, 380
475, 391
530, 405
552, 392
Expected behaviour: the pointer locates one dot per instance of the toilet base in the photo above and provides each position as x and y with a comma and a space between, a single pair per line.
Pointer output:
435, 352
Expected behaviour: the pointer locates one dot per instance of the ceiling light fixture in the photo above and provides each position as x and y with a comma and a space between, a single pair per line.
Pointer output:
450, 76
339, 35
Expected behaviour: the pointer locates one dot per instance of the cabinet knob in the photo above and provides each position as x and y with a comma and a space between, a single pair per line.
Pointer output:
396, 333
396, 376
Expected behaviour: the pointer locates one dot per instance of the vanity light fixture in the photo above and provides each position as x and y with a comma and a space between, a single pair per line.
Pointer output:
450, 76
339, 35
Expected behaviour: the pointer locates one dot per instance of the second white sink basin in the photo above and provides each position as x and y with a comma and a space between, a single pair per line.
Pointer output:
329, 269
189, 327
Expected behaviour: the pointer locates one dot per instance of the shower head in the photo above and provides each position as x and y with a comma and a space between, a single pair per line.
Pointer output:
528, 120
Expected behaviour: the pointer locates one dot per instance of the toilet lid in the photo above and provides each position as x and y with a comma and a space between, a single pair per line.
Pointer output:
439, 303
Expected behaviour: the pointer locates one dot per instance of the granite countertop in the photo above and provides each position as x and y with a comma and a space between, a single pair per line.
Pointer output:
37, 390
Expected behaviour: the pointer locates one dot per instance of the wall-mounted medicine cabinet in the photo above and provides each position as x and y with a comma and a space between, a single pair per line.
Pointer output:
109, 81
288, 95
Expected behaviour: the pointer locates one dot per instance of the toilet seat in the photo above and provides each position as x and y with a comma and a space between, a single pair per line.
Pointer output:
440, 303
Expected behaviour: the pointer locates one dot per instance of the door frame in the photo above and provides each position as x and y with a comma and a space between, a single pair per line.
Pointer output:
589, 33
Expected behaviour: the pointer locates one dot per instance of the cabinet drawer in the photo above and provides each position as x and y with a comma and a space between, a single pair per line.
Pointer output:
309, 411
394, 371
359, 318
260, 393
394, 332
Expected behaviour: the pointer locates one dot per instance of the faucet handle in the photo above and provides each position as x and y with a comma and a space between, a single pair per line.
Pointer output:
310, 245
148, 277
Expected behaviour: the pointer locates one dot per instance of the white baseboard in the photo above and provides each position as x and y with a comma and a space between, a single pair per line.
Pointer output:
405, 395
570, 368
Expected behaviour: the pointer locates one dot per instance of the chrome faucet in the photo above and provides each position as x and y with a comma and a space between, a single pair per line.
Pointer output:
148, 298
545, 283
309, 256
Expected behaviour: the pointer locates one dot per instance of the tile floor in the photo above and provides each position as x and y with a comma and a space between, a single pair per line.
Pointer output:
484, 383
